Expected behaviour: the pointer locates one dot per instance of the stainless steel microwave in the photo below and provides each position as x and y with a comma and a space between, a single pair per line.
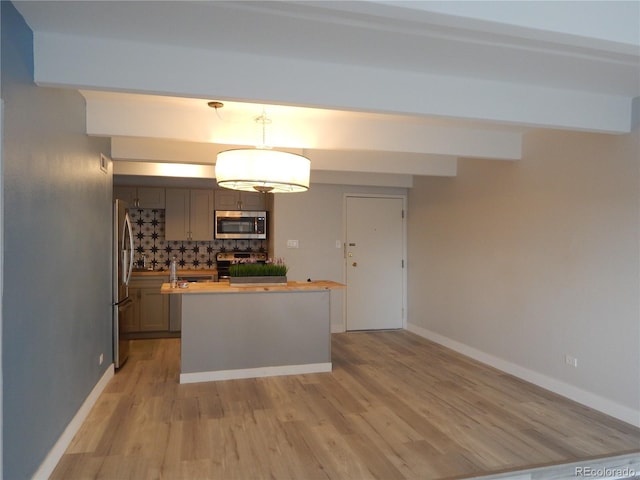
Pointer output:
240, 224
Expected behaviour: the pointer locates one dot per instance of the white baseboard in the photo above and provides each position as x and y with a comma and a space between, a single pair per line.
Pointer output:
255, 372
55, 454
604, 405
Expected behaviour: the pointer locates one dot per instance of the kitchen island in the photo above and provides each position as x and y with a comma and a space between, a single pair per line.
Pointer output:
231, 332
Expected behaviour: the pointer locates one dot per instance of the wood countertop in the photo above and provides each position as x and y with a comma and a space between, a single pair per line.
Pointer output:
224, 287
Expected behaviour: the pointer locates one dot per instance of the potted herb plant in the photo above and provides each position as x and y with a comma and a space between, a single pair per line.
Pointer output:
250, 272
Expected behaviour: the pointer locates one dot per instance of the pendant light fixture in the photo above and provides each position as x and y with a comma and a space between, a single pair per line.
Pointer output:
262, 169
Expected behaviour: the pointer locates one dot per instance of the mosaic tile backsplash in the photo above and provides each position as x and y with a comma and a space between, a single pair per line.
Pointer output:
149, 241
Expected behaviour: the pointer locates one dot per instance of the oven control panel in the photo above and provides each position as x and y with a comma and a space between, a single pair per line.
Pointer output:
234, 256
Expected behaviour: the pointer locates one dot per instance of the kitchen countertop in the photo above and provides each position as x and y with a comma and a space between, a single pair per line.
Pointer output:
224, 287
158, 273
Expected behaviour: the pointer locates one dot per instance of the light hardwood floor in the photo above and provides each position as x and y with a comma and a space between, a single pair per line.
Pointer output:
396, 406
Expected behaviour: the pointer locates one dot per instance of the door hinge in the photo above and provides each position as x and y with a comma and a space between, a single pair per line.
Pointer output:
403, 263
403, 213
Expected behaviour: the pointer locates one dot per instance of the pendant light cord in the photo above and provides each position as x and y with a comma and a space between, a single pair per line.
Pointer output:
264, 120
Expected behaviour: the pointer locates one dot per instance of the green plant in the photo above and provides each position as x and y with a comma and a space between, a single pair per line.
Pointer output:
251, 269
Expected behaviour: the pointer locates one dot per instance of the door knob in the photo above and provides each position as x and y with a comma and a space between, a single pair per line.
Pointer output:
355, 264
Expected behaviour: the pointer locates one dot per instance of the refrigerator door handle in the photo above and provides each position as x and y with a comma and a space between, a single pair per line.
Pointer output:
127, 250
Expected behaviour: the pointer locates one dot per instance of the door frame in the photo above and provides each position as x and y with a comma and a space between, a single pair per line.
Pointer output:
402, 197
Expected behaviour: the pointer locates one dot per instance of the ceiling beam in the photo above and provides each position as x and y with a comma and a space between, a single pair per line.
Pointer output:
191, 120
135, 156
114, 65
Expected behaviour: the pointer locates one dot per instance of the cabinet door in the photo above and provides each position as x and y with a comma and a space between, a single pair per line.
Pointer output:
234, 200
252, 201
151, 197
128, 194
154, 310
227, 199
132, 321
177, 214
201, 215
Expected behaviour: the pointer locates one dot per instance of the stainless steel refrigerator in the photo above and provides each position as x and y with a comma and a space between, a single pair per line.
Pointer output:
122, 268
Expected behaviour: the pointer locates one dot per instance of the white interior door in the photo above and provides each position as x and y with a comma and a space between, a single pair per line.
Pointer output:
374, 263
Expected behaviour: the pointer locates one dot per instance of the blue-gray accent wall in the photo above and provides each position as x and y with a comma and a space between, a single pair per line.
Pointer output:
56, 311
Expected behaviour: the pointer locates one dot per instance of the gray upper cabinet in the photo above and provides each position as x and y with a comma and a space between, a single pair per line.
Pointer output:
128, 194
189, 214
141, 197
149, 197
234, 200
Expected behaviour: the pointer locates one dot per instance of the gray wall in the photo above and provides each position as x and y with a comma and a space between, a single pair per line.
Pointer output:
57, 234
528, 261
316, 219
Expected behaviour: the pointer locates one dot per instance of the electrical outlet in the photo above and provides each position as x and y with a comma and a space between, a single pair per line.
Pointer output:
101, 359
338, 244
571, 361
292, 243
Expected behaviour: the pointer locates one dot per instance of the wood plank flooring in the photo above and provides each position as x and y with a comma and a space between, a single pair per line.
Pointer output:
396, 406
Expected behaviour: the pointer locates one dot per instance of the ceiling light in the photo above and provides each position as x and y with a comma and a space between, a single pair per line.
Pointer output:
262, 169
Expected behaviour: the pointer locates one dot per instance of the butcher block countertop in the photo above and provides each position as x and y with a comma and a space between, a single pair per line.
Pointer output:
224, 287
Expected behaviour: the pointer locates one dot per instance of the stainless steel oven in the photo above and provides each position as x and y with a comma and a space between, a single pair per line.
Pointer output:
225, 259
240, 224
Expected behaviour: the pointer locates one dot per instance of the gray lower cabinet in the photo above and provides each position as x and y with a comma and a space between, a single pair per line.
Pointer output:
150, 308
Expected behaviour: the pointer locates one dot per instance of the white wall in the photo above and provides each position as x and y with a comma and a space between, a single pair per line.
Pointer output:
316, 219
520, 263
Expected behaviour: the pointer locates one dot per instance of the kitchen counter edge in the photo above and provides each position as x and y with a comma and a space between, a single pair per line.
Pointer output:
224, 287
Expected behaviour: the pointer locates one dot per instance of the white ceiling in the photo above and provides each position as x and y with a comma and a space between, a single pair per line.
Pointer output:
437, 79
